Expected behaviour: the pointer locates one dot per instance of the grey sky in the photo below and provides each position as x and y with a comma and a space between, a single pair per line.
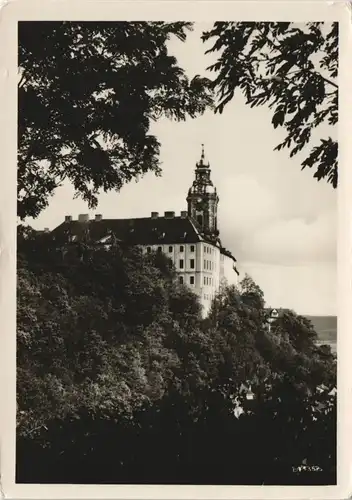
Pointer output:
278, 221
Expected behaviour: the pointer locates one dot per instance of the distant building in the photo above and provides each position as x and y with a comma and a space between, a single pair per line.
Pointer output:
191, 240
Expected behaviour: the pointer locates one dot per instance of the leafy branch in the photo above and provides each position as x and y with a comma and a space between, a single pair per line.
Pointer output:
290, 69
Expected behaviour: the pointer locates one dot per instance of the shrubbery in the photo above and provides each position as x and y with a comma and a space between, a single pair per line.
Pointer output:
120, 380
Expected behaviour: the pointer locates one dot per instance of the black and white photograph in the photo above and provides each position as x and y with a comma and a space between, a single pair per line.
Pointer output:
176, 260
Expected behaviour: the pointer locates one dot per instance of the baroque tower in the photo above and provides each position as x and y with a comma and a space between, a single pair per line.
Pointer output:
202, 200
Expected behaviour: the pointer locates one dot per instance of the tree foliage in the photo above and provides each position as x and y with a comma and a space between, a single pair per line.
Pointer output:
87, 95
120, 380
90, 329
290, 68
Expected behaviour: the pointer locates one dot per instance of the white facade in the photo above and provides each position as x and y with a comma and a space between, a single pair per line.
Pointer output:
201, 266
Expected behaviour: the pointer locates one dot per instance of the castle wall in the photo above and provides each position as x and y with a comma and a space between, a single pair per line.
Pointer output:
209, 267
227, 273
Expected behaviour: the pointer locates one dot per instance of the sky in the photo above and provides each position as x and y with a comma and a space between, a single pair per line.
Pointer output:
278, 221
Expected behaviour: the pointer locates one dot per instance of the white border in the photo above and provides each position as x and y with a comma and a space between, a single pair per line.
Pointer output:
196, 10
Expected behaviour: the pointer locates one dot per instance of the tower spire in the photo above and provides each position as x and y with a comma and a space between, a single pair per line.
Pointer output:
202, 162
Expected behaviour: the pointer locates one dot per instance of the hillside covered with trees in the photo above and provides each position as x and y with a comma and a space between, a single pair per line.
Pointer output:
121, 381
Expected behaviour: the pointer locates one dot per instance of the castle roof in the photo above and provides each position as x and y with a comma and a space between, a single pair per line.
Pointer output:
141, 231
154, 230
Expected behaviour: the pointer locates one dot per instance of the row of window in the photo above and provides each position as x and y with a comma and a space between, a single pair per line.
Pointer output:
191, 280
182, 248
208, 281
171, 248
191, 263
208, 249
209, 265
208, 296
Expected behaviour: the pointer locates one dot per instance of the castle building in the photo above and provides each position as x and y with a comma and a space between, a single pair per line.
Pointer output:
191, 240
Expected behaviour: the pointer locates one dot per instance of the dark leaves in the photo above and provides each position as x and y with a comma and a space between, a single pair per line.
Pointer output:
278, 118
112, 356
290, 69
324, 159
86, 81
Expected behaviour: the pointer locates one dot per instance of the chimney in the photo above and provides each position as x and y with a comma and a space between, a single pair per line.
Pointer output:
98, 217
68, 218
155, 215
169, 215
83, 217
184, 214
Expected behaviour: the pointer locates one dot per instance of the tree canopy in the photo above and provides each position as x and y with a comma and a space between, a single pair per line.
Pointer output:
87, 95
121, 380
293, 70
